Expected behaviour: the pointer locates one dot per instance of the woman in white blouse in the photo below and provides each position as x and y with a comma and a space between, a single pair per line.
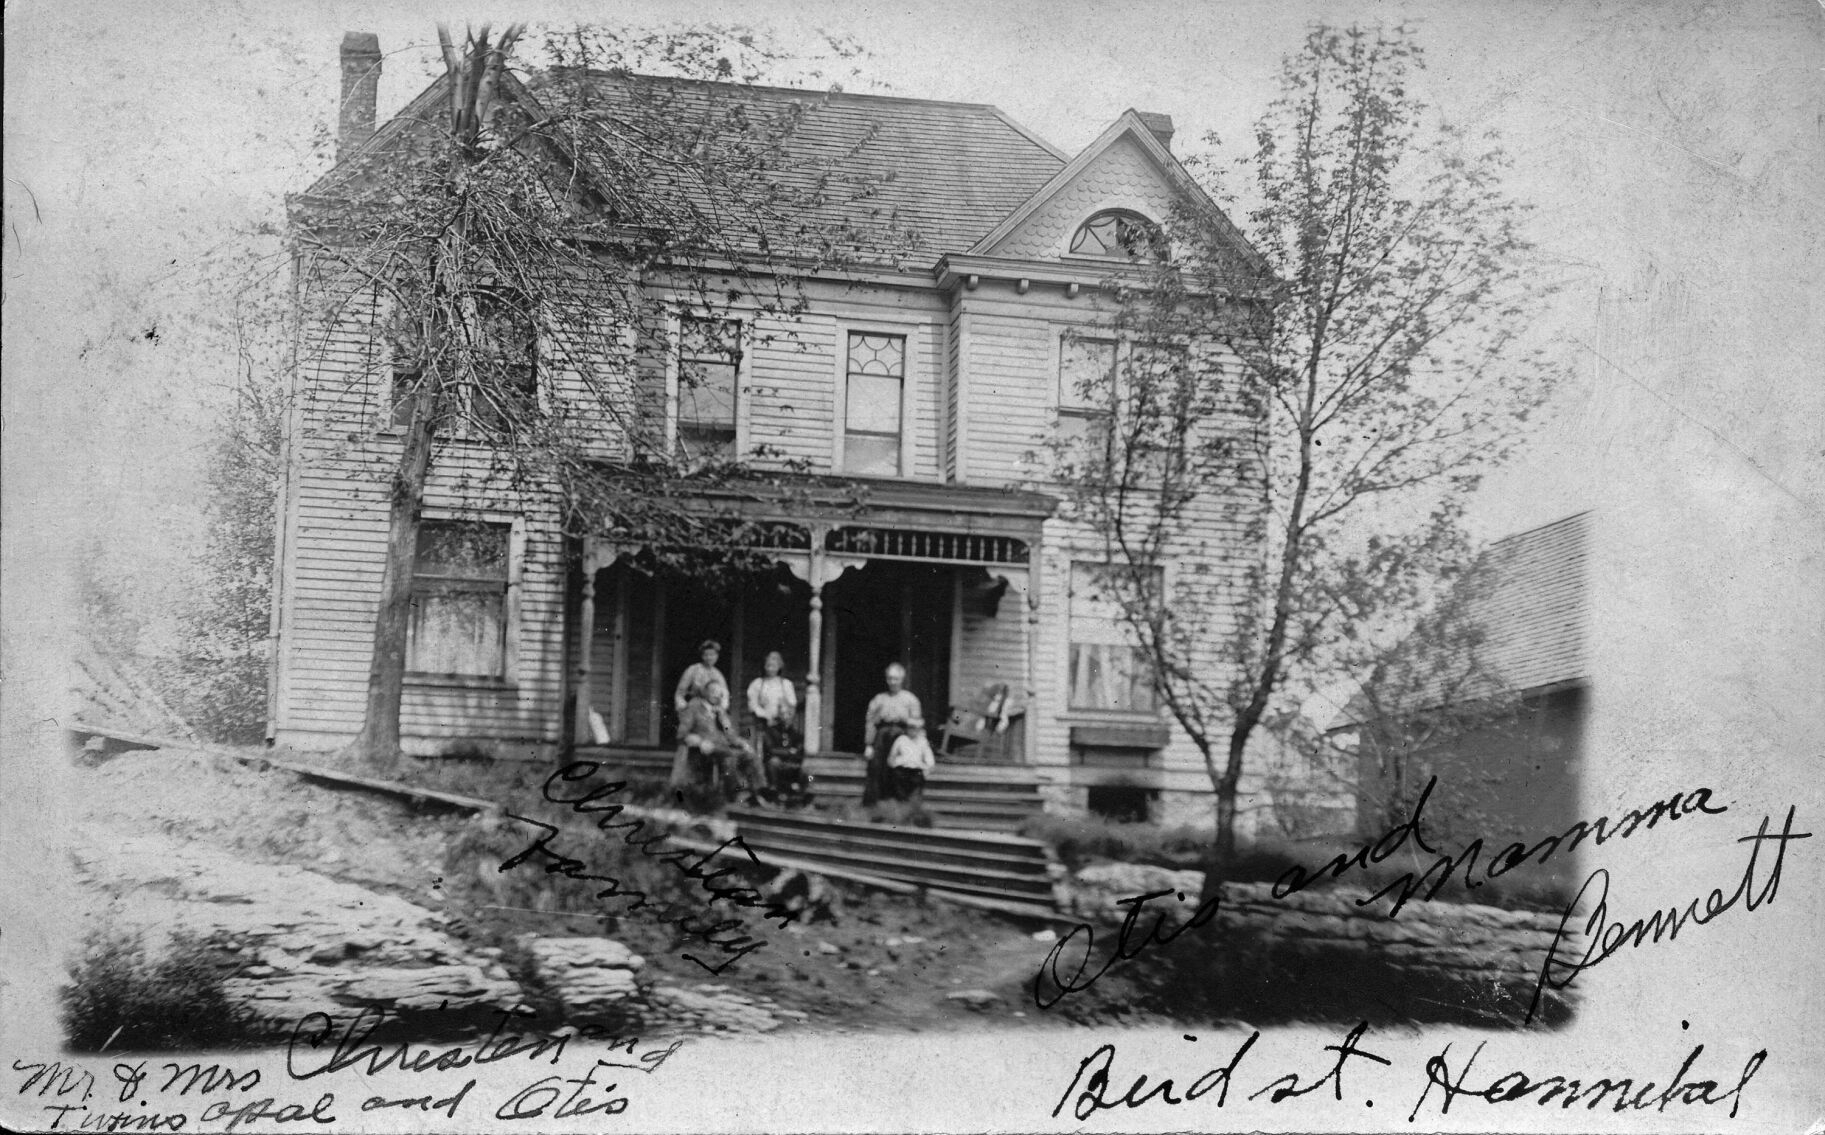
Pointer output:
774, 704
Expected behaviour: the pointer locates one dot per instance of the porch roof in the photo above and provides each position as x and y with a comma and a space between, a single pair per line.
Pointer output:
827, 502
922, 505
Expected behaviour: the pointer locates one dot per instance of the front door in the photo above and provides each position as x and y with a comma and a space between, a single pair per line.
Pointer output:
884, 613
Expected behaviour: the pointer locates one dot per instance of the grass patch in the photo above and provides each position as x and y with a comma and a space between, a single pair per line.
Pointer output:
120, 998
1085, 839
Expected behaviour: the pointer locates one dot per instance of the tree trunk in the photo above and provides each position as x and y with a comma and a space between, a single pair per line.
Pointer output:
378, 743
473, 77
1219, 866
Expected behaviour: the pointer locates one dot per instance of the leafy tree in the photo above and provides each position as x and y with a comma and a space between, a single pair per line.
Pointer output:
517, 244
1330, 391
222, 685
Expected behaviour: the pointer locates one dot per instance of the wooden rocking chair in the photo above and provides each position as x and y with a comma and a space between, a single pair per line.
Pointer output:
981, 732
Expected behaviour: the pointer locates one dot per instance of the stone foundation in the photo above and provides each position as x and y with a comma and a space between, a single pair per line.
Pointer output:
1486, 958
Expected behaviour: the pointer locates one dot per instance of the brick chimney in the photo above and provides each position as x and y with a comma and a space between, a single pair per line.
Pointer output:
360, 91
1157, 124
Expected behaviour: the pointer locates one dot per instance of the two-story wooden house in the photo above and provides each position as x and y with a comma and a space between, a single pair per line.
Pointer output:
931, 391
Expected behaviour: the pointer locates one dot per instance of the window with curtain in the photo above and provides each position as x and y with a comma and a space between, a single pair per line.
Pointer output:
709, 366
876, 378
459, 599
1107, 672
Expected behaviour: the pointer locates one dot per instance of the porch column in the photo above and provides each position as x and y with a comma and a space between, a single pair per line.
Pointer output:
814, 692
581, 734
1030, 741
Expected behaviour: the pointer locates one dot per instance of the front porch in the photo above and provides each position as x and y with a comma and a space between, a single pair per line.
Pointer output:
936, 578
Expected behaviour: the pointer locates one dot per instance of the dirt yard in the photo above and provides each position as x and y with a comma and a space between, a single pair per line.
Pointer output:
863, 961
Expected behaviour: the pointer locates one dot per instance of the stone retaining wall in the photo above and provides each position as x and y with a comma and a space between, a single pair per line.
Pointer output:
1491, 956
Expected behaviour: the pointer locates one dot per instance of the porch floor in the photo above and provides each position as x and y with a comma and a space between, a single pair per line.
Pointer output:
976, 797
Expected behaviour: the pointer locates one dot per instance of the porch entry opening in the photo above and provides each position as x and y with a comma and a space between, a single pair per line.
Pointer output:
663, 616
879, 614
957, 628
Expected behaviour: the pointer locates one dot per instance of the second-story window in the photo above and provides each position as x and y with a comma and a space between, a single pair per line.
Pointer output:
709, 366
876, 379
1086, 389
406, 380
505, 394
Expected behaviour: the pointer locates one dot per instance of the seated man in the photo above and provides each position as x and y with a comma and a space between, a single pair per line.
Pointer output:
704, 732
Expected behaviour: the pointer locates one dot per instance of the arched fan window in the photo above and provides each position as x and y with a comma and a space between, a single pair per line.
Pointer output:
1116, 234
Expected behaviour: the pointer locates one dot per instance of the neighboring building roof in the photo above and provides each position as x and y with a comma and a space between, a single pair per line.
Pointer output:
1527, 598
1536, 609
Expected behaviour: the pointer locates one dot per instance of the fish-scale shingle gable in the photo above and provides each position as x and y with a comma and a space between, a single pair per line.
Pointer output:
1122, 177
1129, 168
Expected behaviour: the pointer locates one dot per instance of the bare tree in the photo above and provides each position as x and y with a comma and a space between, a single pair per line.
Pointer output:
508, 237
1326, 395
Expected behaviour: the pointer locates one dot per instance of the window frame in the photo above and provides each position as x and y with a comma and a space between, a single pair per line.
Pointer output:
535, 326
1065, 403
675, 317
1127, 344
909, 333
511, 590
1154, 253
1070, 711
388, 403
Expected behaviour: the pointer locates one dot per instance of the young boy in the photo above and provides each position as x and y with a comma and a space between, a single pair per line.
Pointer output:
909, 761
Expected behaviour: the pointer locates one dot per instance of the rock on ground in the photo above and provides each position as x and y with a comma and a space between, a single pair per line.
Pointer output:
303, 942
712, 1008
587, 975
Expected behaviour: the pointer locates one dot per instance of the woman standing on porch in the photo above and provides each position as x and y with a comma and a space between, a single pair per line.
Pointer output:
889, 714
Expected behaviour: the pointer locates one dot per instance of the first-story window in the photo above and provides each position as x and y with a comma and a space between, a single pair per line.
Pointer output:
875, 376
709, 366
1107, 672
460, 585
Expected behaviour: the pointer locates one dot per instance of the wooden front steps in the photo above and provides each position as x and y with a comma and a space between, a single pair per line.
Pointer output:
987, 869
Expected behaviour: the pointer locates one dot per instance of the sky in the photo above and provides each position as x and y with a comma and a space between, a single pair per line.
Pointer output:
1673, 152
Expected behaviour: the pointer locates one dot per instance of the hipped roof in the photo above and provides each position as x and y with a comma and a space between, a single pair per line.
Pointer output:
945, 173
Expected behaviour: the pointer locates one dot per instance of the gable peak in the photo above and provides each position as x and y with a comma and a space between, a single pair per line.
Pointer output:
1157, 124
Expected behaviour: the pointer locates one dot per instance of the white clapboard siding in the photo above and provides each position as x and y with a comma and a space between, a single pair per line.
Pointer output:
792, 396
343, 454
993, 648
1008, 387
1208, 558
